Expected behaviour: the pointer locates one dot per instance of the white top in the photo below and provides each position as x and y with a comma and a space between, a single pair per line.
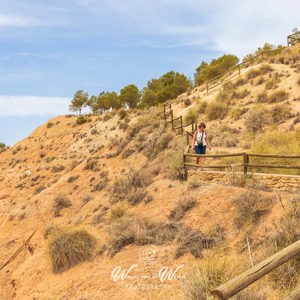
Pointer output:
198, 138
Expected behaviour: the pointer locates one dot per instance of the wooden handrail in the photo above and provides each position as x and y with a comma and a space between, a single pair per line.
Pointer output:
239, 66
243, 280
215, 155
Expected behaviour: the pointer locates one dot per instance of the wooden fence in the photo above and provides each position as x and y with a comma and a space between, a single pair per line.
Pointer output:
169, 119
218, 80
245, 163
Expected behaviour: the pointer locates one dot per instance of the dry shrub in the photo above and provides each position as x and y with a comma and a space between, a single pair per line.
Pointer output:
187, 102
131, 187
122, 113
69, 248
241, 95
191, 116
203, 277
240, 82
117, 211
92, 164
251, 206
260, 81
262, 97
60, 202
133, 230
174, 166
216, 110
257, 120
194, 182
193, 241
287, 231
73, 178
182, 207
270, 85
237, 113
57, 168
280, 113
264, 69
278, 96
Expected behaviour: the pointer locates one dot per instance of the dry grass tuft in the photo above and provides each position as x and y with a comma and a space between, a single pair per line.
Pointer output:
251, 206
182, 207
60, 202
69, 248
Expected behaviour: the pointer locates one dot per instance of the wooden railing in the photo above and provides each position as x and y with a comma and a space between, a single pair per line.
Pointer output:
243, 280
245, 162
169, 119
211, 83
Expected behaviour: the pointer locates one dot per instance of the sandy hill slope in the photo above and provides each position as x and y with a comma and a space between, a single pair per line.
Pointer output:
116, 178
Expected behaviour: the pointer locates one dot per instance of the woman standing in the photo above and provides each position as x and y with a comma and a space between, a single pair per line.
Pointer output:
200, 141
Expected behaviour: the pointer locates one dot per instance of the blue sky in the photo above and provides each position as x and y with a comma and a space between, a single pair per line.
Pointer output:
50, 49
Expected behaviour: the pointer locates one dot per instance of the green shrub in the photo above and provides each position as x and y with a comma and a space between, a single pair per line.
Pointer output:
81, 120
191, 116
69, 248
122, 113
2, 147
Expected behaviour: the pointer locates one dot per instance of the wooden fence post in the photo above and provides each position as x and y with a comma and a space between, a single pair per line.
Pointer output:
187, 139
172, 120
181, 126
184, 167
246, 162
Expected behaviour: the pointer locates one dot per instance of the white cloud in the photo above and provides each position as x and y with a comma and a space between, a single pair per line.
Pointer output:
13, 21
33, 106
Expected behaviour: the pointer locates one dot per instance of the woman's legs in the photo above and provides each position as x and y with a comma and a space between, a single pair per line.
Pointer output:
197, 151
202, 151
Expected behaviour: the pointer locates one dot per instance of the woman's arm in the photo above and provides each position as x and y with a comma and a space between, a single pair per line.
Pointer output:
207, 142
193, 140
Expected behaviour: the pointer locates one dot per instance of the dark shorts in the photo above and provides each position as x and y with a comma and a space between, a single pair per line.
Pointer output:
200, 149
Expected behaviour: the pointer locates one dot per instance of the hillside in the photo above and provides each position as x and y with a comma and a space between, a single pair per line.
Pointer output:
117, 177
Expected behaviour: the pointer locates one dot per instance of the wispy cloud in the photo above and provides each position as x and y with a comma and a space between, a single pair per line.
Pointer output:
33, 106
13, 21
